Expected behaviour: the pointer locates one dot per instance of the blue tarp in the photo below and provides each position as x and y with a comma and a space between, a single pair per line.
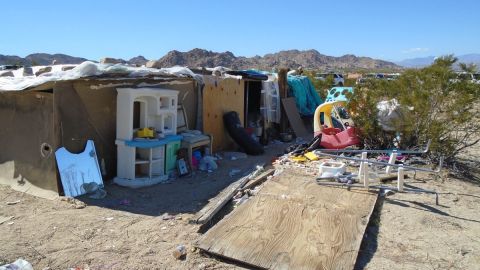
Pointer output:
307, 99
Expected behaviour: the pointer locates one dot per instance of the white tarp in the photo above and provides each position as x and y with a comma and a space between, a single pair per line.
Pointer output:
86, 69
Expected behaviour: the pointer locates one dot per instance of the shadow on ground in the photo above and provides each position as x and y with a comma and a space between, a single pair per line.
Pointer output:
182, 195
370, 238
466, 170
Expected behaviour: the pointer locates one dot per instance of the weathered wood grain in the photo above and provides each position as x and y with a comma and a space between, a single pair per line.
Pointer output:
207, 212
259, 179
294, 223
219, 97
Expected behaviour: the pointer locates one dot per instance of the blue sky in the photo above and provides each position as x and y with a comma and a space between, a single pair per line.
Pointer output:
391, 30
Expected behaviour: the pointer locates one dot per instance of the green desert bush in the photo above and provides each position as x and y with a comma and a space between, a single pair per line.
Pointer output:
436, 105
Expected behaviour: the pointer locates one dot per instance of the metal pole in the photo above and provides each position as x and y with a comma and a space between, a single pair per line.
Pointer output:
414, 190
393, 158
401, 176
424, 151
410, 168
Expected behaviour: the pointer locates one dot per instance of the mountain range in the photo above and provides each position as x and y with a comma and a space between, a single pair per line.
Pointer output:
426, 61
308, 59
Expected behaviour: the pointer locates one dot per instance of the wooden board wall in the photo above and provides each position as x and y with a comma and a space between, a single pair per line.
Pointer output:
293, 223
221, 96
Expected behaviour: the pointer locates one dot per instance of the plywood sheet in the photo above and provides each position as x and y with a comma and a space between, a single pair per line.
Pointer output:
221, 96
294, 117
293, 223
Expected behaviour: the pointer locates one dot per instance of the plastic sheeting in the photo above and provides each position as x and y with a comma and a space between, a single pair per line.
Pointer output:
88, 69
389, 112
270, 100
306, 97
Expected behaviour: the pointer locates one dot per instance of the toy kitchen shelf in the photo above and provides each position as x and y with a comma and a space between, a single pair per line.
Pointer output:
148, 153
142, 162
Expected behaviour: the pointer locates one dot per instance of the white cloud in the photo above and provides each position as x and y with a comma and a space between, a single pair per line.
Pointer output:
416, 50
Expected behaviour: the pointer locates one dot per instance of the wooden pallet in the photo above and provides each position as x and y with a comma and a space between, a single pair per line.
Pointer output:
293, 223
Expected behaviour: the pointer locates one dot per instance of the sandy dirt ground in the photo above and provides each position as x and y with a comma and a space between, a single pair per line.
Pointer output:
127, 229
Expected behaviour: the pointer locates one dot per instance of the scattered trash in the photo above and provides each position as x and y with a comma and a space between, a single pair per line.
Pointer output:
13, 203
208, 164
77, 204
180, 252
233, 172
109, 218
238, 195
163, 228
241, 200
10, 223
19, 264
234, 155
258, 170
167, 216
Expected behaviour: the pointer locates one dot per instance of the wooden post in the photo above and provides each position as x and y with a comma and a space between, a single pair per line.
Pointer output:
283, 91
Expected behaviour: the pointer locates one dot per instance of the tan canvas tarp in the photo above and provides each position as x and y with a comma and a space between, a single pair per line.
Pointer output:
27, 142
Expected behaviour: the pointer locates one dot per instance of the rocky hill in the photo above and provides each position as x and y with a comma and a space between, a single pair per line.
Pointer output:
310, 59
40, 59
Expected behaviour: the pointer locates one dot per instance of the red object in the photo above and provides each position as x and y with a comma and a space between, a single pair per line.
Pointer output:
334, 138
249, 130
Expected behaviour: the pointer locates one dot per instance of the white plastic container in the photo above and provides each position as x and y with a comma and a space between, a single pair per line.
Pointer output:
331, 169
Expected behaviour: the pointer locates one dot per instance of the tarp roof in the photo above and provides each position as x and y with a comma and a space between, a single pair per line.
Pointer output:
89, 69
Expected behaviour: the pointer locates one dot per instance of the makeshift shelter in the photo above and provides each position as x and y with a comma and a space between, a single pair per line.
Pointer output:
41, 114
239, 91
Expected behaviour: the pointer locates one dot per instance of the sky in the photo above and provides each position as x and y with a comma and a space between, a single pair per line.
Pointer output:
390, 30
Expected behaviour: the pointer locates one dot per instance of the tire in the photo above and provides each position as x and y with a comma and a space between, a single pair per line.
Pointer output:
240, 136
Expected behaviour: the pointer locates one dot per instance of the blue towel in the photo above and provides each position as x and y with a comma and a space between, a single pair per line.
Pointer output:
306, 97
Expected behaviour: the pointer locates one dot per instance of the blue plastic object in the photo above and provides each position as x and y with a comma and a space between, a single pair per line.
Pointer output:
197, 154
153, 143
338, 94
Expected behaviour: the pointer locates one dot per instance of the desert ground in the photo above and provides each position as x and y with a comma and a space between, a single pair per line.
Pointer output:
130, 228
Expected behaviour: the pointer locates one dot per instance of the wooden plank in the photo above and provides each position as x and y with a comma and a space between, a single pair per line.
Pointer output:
259, 179
293, 223
283, 91
207, 212
294, 117
221, 96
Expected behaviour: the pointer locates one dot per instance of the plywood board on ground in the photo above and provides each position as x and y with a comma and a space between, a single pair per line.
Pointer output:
219, 97
293, 223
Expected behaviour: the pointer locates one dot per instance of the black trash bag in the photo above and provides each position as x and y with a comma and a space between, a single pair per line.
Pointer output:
240, 136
